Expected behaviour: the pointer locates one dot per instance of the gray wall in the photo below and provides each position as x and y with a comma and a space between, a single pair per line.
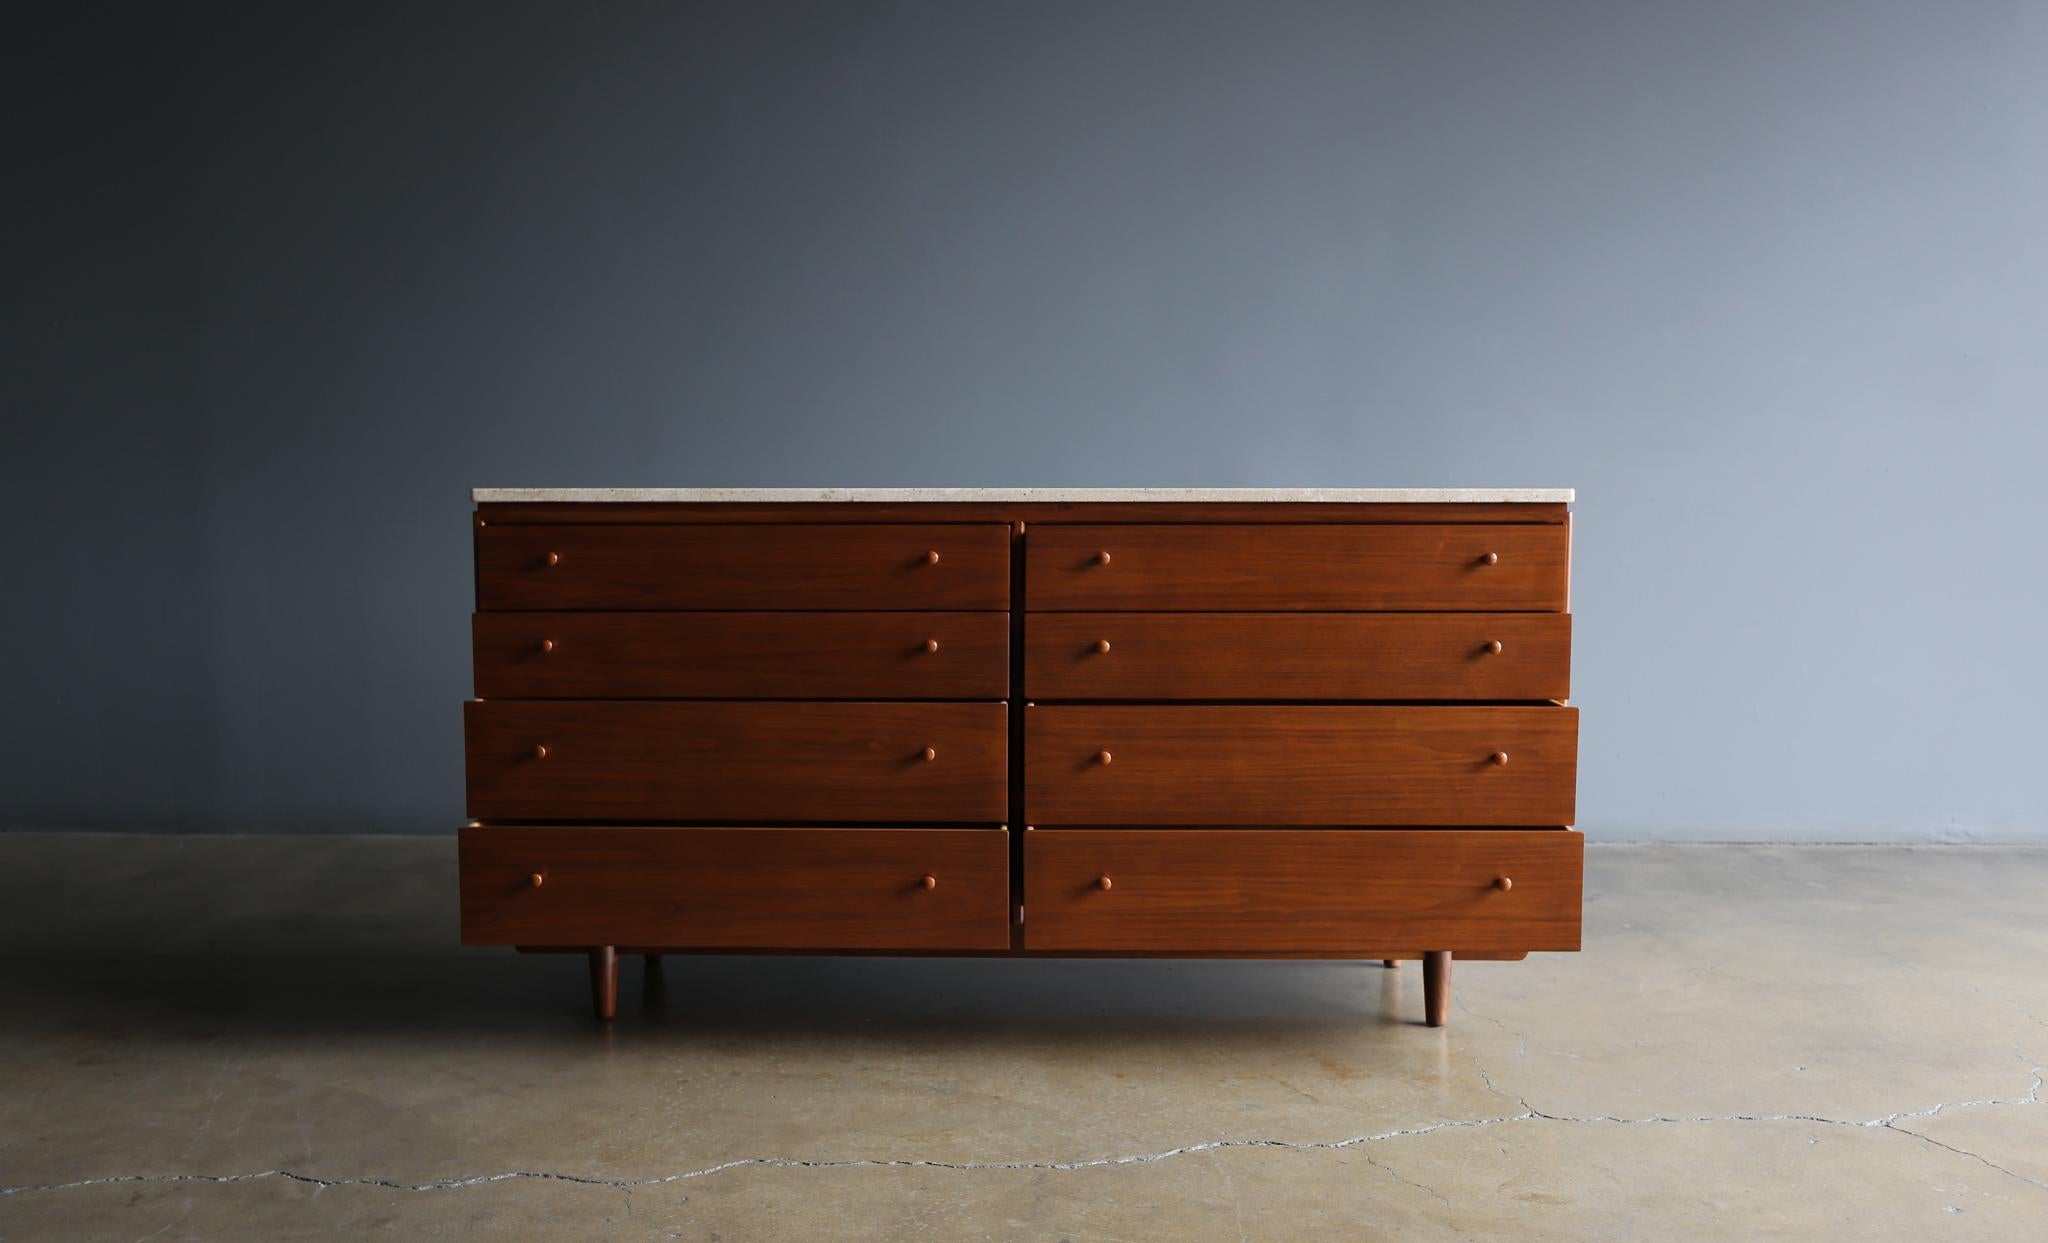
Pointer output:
1767, 282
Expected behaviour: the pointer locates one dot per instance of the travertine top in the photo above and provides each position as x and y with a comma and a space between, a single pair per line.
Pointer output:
1012, 496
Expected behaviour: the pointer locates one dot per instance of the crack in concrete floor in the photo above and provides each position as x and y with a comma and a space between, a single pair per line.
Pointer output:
1529, 1114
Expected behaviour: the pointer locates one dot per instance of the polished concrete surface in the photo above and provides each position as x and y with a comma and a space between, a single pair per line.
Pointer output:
276, 1038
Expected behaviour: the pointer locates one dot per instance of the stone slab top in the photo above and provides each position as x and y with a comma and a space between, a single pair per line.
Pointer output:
1013, 496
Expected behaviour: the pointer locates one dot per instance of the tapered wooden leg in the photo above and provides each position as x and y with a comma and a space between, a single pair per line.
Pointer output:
1436, 987
604, 981
1389, 963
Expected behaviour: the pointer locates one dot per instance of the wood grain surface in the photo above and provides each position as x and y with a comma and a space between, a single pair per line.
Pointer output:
555, 655
790, 889
1298, 568
743, 566
1298, 656
1309, 765
1308, 890
726, 761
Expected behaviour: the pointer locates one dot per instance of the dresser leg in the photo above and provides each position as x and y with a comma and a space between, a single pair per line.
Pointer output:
1436, 987
1389, 963
604, 980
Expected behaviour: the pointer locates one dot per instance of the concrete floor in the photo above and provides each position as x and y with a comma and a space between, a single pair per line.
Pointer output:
276, 1038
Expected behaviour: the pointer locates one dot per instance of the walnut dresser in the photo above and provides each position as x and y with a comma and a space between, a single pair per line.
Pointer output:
1144, 723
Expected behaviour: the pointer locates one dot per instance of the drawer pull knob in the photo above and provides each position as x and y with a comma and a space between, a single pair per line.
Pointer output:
929, 882
1103, 757
540, 751
1102, 558
1492, 558
546, 646
932, 557
554, 558
1102, 645
930, 754
1504, 883
1104, 882
931, 645
537, 879
1499, 758
1494, 647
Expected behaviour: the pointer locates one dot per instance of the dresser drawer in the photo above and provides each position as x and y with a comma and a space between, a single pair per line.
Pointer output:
1322, 765
1471, 566
1298, 656
1369, 892
741, 655
826, 762
743, 566
796, 889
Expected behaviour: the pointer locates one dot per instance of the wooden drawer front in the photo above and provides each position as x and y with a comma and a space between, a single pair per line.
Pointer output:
1298, 656
828, 762
741, 655
1240, 764
1366, 891
743, 566
736, 888
1298, 568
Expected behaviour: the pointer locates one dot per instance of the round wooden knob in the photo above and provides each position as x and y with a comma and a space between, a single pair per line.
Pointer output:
931, 645
932, 557
537, 880
1104, 882
1103, 757
1492, 558
540, 751
1499, 758
554, 558
930, 754
1494, 647
546, 646
1102, 645
1102, 558
929, 882
1504, 883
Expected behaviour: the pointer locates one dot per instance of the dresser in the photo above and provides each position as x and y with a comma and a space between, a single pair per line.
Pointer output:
1029, 722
